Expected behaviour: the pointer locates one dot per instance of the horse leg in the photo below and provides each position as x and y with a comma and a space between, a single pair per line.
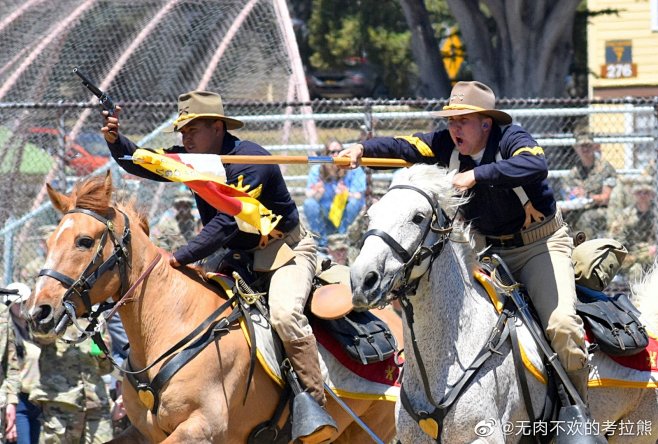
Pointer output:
129, 436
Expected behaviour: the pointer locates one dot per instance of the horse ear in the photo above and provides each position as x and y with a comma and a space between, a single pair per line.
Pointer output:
108, 185
61, 202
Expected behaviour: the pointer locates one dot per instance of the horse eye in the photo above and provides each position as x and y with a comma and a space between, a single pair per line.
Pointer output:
85, 242
418, 218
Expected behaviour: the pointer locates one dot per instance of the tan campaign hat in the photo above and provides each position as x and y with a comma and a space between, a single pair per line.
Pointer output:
473, 97
195, 104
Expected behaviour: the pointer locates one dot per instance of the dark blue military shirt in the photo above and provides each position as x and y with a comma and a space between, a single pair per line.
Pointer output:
220, 229
511, 159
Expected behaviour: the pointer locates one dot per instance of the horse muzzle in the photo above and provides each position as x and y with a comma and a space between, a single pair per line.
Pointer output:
369, 290
46, 322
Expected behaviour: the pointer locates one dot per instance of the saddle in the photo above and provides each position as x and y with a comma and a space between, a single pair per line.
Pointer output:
363, 336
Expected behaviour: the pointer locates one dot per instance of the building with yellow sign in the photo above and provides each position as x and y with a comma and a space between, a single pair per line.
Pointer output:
623, 49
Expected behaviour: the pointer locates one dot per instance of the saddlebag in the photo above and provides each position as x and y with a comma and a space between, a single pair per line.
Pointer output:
364, 336
614, 322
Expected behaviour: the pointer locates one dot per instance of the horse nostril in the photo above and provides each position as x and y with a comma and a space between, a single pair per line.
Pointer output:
42, 313
370, 280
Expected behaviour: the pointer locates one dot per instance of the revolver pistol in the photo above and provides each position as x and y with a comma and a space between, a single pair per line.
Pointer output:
105, 100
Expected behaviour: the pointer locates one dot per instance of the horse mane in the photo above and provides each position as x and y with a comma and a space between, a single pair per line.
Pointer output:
95, 193
437, 181
643, 295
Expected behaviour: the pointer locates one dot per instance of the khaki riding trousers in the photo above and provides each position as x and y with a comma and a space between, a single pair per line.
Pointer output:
290, 286
546, 269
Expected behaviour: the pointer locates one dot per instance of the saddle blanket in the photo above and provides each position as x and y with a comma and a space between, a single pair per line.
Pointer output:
637, 371
346, 377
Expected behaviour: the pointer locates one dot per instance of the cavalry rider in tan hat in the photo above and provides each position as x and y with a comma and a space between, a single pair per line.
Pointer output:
291, 258
511, 208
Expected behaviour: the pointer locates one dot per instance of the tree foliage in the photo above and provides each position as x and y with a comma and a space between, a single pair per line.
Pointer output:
521, 48
403, 40
374, 29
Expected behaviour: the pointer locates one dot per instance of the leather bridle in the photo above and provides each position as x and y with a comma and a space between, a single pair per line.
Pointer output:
439, 224
95, 269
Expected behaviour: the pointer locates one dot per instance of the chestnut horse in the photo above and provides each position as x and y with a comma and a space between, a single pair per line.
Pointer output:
101, 250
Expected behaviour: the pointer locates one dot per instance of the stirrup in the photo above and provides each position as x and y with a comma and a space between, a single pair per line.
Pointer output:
311, 423
583, 433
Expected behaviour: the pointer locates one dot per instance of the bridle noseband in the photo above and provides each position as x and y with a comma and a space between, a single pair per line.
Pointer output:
83, 284
440, 224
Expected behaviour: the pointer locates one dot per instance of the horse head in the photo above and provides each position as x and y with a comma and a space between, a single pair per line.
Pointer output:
87, 260
408, 227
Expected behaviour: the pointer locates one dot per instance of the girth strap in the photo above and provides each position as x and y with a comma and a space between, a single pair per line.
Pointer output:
520, 369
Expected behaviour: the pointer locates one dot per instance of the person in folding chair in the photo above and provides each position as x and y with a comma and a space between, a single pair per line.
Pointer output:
290, 254
512, 208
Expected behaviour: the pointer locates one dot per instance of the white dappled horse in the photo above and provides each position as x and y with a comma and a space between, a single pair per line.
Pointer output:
453, 317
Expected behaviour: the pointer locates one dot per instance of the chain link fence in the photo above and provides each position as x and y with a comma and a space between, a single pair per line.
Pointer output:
37, 146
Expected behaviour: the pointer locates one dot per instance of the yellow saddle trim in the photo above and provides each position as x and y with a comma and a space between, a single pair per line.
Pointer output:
485, 281
227, 285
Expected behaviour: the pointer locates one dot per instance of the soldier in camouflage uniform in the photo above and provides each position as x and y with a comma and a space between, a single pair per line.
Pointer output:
10, 378
593, 179
178, 225
72, 394
636, 228
28, 424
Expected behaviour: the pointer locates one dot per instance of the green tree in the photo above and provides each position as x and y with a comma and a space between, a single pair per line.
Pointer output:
375, 29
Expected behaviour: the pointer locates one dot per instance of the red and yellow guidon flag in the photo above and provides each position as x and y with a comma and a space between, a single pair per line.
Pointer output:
205, 175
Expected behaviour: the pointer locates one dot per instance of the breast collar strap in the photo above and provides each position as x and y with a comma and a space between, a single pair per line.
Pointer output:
431, 422
440, 224
84, 283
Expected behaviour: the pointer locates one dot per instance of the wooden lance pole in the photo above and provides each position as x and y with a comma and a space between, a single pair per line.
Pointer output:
310, 160
303, 160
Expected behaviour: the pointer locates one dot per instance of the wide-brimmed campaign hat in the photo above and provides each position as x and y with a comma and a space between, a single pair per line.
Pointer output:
202, 104
473, 97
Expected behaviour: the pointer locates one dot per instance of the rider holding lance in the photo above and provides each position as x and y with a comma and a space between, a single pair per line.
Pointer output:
512, 209
290, 253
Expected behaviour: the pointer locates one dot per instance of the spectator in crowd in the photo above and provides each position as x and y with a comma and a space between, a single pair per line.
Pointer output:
10, 382
179, 224
587, 189
28, 425
30, 272
334, 196
71, 392
119, 352
636, 228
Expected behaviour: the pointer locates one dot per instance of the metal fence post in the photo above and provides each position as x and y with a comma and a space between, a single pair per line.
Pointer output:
8, 253
655, 170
